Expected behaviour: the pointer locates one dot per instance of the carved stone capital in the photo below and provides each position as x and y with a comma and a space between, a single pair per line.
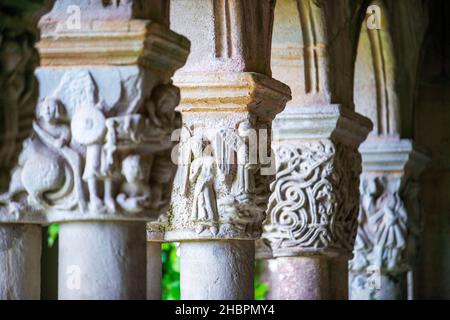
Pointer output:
101, 142
318, 122
389, 217
314, 202
237, 92
220, 191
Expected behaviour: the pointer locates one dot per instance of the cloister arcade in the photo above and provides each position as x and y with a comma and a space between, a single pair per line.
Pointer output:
310, 134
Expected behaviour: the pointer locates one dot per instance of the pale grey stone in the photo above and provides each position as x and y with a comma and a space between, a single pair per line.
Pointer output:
102, 261
20, 261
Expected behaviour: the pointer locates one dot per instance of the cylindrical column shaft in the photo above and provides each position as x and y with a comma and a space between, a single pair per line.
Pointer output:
20, 261
154, 271
102, 260
310, 278
217, 270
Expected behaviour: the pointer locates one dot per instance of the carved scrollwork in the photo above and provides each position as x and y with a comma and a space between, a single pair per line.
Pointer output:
314, 200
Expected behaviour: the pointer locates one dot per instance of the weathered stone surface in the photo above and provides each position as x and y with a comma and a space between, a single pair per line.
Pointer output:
312, 211
217, 270
111, 269
226, 199
312, 208
154, 271
389, 218
100, 143
384, 286
228, 102
228, 36
20, 258
309, 278
102, 128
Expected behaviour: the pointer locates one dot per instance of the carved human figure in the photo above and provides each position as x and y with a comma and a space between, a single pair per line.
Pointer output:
244, 183
184, 160
364, 242
160, 107
389, 229
202, 174
89, 128
135, 193
51, 123
109, 165
53, 130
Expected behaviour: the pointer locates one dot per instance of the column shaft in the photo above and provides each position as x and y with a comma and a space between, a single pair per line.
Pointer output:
217, 270
20, 261
154, 271
102, 260
310, 278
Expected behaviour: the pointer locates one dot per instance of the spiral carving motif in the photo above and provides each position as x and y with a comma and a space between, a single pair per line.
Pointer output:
314, 199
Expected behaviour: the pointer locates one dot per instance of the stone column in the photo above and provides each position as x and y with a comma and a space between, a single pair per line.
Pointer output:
103, 122
389, 220
228, 101
154, 271
312, 211
155, 238
20, 231
389, 228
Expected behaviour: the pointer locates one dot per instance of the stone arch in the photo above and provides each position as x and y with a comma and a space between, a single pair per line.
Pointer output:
374, 82
386, 67
321, 39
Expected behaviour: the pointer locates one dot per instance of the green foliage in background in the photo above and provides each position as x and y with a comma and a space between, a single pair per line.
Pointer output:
261, 288
171, 275
52, 234
171, 269
171, 272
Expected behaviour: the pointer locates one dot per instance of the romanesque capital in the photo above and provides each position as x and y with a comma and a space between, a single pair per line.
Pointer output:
314, 199
389, 222
228, 102
105, 115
